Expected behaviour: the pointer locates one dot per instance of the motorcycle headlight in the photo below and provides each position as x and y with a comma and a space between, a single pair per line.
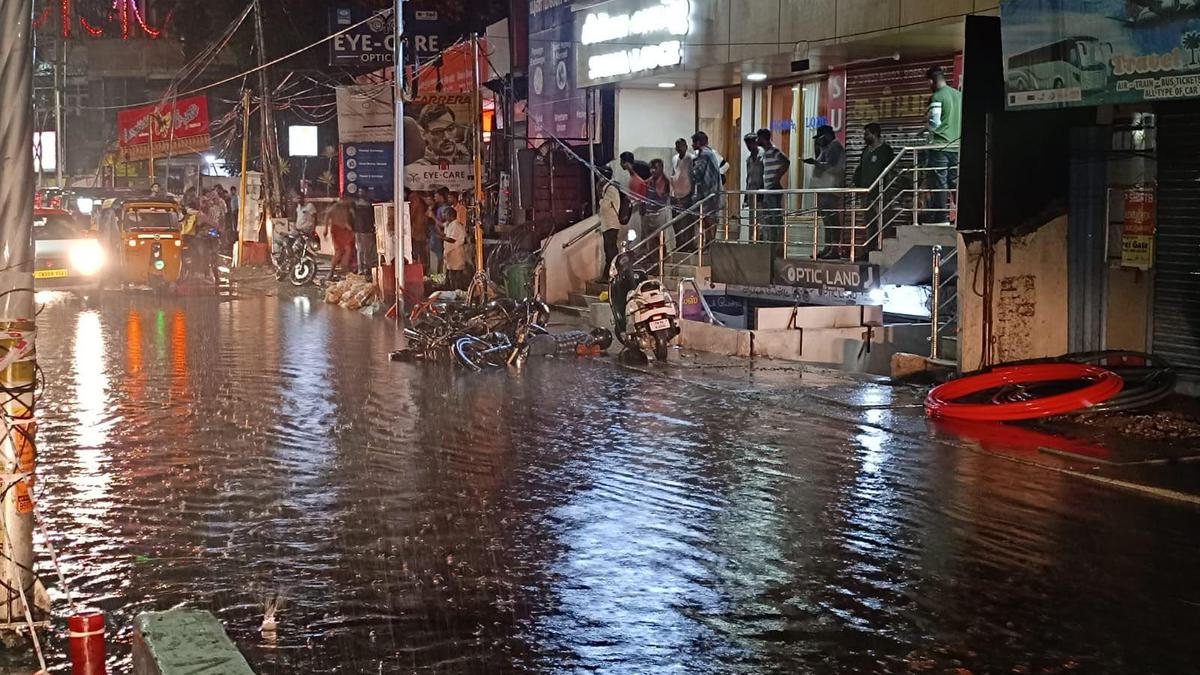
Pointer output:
87, 256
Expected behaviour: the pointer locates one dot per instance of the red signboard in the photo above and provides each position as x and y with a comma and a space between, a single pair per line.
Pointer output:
182, 127
454, 72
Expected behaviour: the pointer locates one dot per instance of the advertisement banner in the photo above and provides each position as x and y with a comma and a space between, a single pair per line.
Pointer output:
365, 113
178, 128
373, 43
1060, 53
556, 106
453, 73
1137, 234
368, 167
441, 154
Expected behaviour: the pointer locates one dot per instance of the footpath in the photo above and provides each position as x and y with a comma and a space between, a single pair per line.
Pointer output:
1157, 455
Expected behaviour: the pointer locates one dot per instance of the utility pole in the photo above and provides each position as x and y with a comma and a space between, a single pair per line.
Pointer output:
477, 99
241, 225
21, 594
60, 77
270, 146
399, 205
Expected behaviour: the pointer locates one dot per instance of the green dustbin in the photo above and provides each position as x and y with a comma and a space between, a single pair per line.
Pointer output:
518, 280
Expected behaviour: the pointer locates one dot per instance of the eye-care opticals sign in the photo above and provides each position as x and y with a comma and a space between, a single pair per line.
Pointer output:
623, 39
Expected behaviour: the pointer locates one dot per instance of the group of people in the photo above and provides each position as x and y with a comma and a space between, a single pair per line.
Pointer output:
438, 221
697, 174
350, 226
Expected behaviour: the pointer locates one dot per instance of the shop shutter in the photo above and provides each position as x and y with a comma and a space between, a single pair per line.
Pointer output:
896, 97
1176, 334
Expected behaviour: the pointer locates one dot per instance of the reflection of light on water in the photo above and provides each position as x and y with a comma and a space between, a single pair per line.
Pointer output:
50, 297
302, 304
91, 402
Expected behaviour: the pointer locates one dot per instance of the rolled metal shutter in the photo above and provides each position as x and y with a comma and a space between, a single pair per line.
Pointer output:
1176, 334
894, 96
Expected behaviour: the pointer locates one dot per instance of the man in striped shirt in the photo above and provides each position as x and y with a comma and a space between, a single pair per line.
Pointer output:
775, 167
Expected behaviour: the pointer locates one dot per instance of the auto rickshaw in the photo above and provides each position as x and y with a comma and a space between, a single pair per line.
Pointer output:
142, 235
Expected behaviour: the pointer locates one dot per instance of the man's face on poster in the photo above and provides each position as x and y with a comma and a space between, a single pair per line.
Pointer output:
440, 135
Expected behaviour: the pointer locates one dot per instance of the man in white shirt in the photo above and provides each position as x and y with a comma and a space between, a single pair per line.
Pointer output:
455, 236
306, 215
609, 210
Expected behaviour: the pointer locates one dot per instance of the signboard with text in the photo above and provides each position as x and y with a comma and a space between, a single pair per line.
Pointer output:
1060, 53
556, 106
178, 128
852, 277
367, 167
1137, 234
622, 40
373, 43
444, 122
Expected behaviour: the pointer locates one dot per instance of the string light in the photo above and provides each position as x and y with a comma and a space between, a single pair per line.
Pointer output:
119, 11
92, 30
66, 18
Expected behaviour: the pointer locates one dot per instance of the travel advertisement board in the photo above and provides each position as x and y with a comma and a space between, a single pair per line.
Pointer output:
1060, 53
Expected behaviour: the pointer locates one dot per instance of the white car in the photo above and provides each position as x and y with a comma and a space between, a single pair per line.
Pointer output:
67, 255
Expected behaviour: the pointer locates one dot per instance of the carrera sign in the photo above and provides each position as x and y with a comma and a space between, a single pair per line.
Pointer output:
159, 129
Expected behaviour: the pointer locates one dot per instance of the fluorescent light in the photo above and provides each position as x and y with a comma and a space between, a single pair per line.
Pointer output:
666, 85
210, 159
756, 77
302, 141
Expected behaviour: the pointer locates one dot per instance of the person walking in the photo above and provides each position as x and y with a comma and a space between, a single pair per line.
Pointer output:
775, 168
829, 171
754, 181
339, 230
706, 188
943, 129
609, 210
364, 233
876, 156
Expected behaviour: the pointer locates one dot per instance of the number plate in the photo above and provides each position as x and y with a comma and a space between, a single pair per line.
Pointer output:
660, 324
49, 274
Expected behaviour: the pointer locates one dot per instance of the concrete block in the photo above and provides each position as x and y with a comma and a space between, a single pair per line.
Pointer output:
786, 345
184, 642
600, 315
705, 337
847, 316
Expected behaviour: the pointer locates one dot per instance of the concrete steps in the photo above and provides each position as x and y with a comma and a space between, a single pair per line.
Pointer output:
907, 258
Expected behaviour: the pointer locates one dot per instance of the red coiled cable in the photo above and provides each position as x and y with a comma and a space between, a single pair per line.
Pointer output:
1103, 385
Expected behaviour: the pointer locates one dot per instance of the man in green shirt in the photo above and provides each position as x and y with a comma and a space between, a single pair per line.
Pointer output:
943, 130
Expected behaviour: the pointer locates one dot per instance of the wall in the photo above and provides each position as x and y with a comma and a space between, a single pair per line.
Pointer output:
1029, 304
649, 121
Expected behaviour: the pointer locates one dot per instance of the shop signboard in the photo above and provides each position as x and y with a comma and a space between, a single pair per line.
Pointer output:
373, 43
1137, 233
365, 114
1060, 53
179, 127
826, 276
453, 72
556, 106
368, 166
627, 39
443, 157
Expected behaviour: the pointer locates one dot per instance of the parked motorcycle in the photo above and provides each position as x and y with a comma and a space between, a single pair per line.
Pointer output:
643, 314
296, 258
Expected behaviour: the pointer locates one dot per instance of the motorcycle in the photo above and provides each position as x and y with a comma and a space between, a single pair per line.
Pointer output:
296, 258
645, 320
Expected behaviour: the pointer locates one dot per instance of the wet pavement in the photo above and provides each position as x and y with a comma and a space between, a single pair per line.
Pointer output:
575, 517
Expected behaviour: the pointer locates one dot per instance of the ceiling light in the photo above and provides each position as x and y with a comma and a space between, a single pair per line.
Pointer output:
756, 77
666, 85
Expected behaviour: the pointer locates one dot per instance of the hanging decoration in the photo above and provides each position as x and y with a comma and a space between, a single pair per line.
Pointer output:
124, 18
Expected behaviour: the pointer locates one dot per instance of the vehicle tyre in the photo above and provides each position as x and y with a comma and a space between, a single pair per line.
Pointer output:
661, 345
470, 352
303, 271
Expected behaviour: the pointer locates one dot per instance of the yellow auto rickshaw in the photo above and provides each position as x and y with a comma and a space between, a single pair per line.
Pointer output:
143, 236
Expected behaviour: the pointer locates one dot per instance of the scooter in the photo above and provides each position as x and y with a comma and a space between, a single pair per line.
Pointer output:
649, 321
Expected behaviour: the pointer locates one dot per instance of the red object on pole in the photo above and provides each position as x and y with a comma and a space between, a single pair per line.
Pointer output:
1102, 385
86, 632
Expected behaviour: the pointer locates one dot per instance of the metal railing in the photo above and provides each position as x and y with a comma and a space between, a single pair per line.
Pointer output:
943, 301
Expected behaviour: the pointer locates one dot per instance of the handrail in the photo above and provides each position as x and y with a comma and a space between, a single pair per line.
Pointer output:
671, 223
571, 242
712, 318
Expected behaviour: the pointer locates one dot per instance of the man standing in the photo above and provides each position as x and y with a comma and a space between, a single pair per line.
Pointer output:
338, 229
609, 210
775, 167
364, 233
706, 187
658, 200
876, 156
454, 233
681, 188
418, 225
943, 129
754, 181
829, 171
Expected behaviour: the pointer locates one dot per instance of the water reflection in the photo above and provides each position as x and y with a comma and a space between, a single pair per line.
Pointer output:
92, 422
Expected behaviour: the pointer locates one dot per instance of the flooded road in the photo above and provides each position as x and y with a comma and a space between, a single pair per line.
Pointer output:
574, 517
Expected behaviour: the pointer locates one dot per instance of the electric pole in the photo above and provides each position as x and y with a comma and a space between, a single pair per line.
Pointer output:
270, 146
399, 205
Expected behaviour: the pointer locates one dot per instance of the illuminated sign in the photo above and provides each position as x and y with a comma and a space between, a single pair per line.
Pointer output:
640, 39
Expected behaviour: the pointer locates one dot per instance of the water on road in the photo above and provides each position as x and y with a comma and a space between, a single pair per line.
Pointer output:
577, 516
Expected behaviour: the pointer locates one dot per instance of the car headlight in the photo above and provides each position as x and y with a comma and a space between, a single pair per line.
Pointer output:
87, 256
